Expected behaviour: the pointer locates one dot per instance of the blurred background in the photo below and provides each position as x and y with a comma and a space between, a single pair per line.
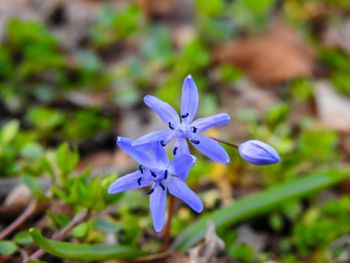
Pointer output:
73, 75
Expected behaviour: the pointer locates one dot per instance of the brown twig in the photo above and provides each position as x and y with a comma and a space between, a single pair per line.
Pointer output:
166, 235
225, 142
19, 220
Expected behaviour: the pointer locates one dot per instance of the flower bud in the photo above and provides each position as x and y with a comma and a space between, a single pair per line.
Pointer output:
258, 153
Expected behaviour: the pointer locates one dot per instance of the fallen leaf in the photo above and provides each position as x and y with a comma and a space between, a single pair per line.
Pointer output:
333, 109
155, 8
246, 235
272, 58
338, 36
247, 95
207, 251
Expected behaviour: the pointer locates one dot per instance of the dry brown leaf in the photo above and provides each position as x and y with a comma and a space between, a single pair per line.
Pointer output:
333, 109
272, 58
155, 8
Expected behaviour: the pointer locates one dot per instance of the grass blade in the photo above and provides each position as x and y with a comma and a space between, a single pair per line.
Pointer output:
259, 203
83, 252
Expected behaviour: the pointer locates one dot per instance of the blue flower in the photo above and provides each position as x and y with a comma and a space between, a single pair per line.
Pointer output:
186, 128
258, 153
156, 170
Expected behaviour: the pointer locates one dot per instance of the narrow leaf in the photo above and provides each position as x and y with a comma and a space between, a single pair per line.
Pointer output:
83, 252
258, 204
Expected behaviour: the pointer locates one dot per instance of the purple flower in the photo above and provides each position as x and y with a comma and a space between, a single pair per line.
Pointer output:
258, 153
185, 128
156, 170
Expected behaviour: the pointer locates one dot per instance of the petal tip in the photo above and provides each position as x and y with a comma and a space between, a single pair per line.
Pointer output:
199, 209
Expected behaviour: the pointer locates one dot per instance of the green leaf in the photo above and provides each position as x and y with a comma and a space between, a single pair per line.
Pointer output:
9, 131
22, 238
83, 252
31, 182
7, 247
66, 159
259, 203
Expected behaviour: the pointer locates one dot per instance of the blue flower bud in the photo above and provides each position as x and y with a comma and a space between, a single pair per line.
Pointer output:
258, 153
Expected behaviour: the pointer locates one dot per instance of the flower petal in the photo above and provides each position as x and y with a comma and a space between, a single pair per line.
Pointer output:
258, 153
179, 189
157, 206
160, 135
128, 182
139, 154
163, 109
181, 147
161, 156
189, 100
212, 149
181, 166
203, 124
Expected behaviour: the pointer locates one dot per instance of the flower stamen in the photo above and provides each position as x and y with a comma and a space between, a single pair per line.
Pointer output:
153, 174
195, 141
162, 143
165, 174
140, 168
185, 115
175, 150
150, 191
162, 186
171, 127
194, 129
139, 181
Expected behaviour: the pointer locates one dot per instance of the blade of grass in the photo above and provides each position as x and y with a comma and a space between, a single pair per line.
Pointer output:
258, 204
83, 252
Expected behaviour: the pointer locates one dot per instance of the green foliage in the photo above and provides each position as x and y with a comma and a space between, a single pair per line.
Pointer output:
19, 152
301, 89
66, 160
338, 63
252, 15
7, 247
318, 228
113, 26
277, 114
22, 238
243, 253
319, 144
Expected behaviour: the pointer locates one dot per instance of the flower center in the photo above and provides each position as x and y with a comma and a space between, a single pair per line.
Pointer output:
183, 130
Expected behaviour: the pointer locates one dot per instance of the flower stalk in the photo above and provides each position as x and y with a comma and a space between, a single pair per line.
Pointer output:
166, 234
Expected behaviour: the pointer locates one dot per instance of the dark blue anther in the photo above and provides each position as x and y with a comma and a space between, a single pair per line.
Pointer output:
162, 186
171, 127
153, 174
162, 143
185, 115
175, 150
150, 191
165, 174
140, 168
195, 141
139, 181
194, 129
